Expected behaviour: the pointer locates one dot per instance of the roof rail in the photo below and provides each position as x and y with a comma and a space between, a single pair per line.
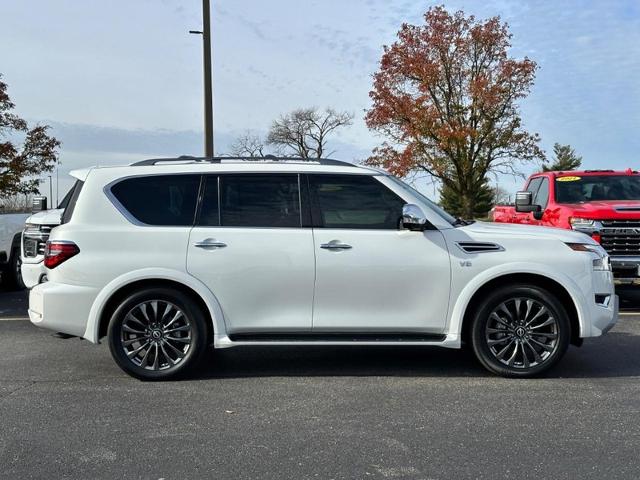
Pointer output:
595, 171
266, 158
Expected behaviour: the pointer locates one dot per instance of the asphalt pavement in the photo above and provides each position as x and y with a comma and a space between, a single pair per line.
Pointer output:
304, 413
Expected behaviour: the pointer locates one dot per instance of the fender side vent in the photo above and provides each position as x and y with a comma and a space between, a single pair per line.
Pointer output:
479, 247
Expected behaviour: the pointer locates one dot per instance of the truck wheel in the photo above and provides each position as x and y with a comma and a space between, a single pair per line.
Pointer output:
12, 276
157, 334
520, 331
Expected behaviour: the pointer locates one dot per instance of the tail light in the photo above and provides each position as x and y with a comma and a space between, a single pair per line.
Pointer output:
59, 251
597, 237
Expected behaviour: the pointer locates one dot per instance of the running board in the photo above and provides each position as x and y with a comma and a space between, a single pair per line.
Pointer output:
337, 337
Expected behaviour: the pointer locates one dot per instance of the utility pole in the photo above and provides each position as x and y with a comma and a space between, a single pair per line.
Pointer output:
208, 88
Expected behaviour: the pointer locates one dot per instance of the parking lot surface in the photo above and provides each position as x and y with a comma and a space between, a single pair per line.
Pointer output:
342, 413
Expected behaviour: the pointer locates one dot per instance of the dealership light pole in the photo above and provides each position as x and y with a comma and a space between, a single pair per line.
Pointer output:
208, 89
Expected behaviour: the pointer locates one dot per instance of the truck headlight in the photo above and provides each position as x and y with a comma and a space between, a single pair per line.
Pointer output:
584, 224
601, 262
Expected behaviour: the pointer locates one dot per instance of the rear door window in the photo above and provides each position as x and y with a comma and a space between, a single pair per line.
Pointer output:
260, 200
159, 199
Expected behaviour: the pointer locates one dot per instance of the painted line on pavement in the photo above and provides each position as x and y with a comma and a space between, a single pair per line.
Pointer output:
12, 319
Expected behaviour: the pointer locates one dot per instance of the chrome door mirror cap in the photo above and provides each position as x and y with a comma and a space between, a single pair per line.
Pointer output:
413, 218
524, 203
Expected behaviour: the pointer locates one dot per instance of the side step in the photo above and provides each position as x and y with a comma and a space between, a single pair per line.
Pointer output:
337, 337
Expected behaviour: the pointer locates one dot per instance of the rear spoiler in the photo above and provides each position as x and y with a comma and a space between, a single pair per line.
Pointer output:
81, 174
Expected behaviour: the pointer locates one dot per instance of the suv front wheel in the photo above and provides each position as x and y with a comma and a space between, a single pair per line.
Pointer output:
520, 331
157, 333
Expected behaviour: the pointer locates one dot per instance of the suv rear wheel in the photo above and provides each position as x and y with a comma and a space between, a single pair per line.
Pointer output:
157, 333
520, 331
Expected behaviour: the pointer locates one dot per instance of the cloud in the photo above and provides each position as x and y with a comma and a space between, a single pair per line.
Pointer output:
96, 144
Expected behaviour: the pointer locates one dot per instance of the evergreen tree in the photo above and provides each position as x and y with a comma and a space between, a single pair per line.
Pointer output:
565, 159
482, 201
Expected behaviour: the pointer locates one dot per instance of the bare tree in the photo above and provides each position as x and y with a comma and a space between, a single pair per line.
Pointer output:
248, 144
16, 203
303, 132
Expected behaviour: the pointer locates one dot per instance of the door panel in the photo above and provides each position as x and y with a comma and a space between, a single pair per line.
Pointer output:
263, 278
394, 281
371, 276
250, 250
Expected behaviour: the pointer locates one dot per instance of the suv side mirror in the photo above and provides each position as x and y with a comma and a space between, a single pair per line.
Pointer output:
413, 218
524, 203
38, 204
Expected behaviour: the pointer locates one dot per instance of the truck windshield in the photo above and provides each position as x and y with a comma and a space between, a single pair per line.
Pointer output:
592, 188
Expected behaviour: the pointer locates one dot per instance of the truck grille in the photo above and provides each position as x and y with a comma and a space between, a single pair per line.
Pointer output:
35, 239
621, 237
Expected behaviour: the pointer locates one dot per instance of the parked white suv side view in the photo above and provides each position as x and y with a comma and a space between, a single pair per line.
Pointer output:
165, 257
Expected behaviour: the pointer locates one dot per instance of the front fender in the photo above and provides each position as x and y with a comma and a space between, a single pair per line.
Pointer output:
93, 323
454, 324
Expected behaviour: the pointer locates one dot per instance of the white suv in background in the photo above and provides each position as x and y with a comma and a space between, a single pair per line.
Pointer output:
165, 257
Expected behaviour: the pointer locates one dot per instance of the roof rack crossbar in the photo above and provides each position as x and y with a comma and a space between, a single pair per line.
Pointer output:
267, 158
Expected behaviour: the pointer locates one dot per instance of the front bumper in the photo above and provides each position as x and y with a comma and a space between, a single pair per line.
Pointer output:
626, 270
604, 317
60, 307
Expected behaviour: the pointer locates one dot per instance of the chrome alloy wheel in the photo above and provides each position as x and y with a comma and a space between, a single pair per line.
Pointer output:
522, 333
156, 335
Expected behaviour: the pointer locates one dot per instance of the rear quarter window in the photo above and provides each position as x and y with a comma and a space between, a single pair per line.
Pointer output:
70, 200
168, 200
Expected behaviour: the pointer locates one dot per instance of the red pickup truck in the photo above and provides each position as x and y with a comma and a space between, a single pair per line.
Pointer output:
604, 204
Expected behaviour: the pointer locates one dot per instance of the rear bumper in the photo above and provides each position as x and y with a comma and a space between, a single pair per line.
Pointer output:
60, 307
32, 273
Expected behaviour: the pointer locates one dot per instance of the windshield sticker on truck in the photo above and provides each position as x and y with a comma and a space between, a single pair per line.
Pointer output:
568, 179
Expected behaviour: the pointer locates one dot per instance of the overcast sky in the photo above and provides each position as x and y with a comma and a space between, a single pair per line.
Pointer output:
121, 80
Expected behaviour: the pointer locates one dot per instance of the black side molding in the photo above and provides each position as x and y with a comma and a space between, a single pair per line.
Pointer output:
336, 337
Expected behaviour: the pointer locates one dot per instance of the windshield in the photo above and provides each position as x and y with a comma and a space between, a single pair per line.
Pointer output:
575, 189
432, 205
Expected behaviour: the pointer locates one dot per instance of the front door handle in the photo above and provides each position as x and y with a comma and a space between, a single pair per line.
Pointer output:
210, 243
335, 245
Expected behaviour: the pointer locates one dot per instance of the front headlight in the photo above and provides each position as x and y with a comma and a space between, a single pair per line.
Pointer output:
577, 222
601, 263
586, 225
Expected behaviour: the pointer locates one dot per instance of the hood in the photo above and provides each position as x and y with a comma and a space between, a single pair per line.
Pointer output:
46, 217
494, 231
598, 210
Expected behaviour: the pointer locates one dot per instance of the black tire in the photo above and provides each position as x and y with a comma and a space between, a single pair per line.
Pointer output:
508, 345
12, 276
188, 332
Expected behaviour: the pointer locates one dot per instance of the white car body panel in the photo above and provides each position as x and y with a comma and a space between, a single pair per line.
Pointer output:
387, 274
11, 224
382, 276
33, 267
263, 279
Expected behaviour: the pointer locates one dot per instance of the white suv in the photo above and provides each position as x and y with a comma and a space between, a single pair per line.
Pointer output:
165, 257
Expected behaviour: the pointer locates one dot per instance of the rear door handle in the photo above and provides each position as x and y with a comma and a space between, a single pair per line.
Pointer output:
210, 243
335, 245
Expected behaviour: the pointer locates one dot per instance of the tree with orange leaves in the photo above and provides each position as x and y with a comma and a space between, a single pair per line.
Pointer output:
446, 98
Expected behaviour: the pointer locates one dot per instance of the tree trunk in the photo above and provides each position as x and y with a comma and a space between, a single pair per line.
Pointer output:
466, 201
